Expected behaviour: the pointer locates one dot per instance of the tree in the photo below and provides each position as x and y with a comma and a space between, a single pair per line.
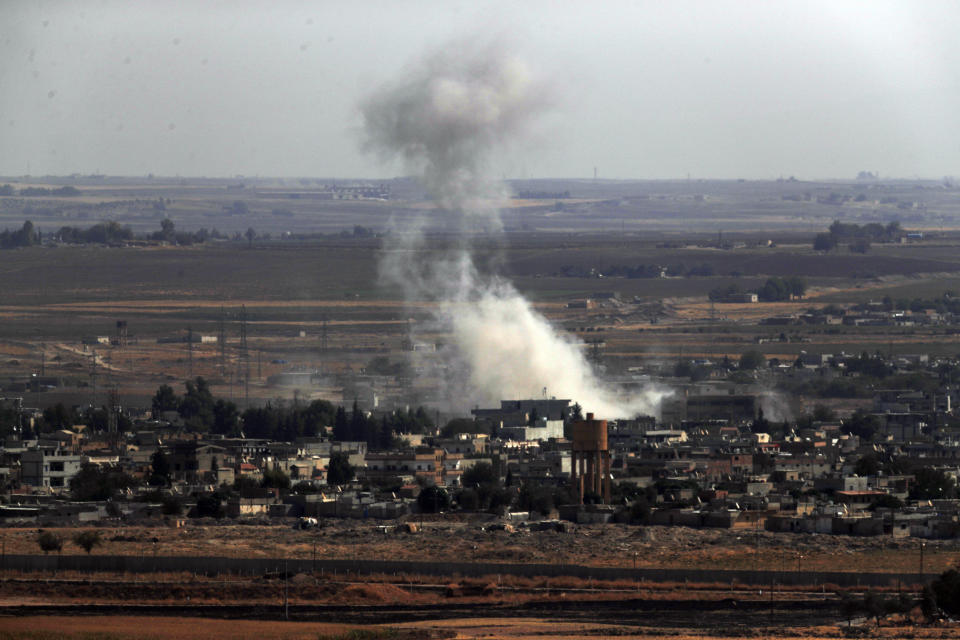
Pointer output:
161, 468
172, 505
535, 498
165, 399
823, 242
867, 465
433, 499
275, 478
860, 245
341, 428
226, 418
823, 413
339, 469
88, 540
874, 606
167, 231
928, 603
577, 414
862, 424
94, 482
480, 473
750, 360
49, 541
932, 484
886, 501
57, 417
196, 407
208, 506
468, 500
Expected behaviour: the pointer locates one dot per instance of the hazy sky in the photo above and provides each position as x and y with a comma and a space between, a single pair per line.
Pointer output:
640, 89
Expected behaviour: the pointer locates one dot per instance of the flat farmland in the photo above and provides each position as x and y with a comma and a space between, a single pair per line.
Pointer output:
294, 293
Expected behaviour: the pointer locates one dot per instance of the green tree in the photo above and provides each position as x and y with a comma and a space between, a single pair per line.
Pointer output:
823, 242
172, 505
165, 399
928, 603
57, 417
339, 469
87, 540
750, 360
49, 541
535, 498
867, 465
932, 484
226, 418
433, 499
196, 407
275, 478
860, 245
480, 473
468, 500
341, 427
577, 413
167, 231
209, 506
94, 482
161, 468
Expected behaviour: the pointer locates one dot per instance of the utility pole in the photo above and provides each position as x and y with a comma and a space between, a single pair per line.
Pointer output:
286, 581
93, 380
190, 352
323, 337
222, 342
244, 356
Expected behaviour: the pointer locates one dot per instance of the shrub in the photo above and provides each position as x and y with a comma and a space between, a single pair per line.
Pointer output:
49, 541
87, 540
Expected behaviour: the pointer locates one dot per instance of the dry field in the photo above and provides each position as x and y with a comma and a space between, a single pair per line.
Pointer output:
57, 627
610, 545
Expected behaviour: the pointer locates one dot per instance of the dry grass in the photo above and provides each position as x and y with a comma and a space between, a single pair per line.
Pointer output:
162, 628
124, 628
448, 541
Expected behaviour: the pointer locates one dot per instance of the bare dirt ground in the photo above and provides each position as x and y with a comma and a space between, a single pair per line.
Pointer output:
611, 545
642, 624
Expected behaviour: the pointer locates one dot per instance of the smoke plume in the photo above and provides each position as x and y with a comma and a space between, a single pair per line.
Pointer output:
448, 119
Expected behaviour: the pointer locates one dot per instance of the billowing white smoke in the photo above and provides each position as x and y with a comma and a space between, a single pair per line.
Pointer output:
446, 119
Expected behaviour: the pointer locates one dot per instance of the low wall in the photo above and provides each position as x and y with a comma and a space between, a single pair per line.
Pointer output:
260, 566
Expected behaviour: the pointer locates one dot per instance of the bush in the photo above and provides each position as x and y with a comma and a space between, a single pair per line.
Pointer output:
946, 592
208, 506
433, 500
751, 360
49, 541
87, 540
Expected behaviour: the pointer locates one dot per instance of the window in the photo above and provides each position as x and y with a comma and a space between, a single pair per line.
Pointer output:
56, 466
56, 482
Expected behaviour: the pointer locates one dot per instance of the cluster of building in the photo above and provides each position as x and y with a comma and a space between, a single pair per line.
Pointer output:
713, 458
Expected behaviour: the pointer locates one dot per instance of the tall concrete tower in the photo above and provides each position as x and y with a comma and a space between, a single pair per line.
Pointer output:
591, 458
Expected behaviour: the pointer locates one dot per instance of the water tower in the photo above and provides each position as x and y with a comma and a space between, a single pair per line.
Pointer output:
591, 458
